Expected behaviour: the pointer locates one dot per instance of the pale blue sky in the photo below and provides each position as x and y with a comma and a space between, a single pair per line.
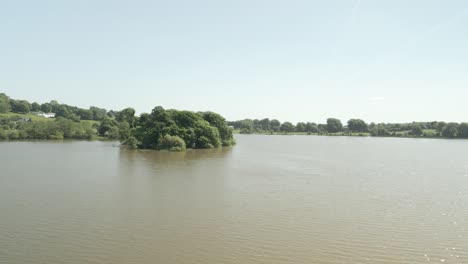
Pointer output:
391, 61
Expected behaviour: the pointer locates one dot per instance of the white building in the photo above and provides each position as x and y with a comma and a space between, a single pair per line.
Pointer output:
46, 115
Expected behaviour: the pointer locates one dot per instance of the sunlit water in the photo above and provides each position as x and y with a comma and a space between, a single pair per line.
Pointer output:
270, 199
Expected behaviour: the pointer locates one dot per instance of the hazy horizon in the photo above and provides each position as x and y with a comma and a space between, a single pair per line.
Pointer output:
385, 61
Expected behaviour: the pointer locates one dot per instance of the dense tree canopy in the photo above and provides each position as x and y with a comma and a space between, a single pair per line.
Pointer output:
21, 106
463, 130
334, 125
165, 129
357, 125
46, 108
287, 127
450, 130
35, 107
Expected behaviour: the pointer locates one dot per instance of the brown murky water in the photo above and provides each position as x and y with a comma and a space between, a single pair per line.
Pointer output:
270, 199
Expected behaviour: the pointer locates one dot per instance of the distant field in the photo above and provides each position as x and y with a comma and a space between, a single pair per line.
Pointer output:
36, 118
90, 122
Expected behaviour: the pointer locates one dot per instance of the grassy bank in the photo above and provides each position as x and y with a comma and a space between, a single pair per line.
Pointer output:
35, 118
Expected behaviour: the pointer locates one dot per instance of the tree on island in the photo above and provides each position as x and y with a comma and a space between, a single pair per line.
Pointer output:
162, 129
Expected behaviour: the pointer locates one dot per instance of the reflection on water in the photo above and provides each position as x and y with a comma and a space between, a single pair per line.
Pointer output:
129, 156
270, 199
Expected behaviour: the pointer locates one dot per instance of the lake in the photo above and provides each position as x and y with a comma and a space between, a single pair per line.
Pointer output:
269, 199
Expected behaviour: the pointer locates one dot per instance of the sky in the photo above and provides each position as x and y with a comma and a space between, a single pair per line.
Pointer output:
295, 60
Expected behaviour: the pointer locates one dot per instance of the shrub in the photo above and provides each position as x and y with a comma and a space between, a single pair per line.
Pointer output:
171, 143
132, 143
3, 134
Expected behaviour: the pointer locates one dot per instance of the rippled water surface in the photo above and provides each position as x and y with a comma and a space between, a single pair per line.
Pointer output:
270, 199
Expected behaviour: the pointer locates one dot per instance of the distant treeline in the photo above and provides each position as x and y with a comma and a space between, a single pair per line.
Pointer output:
334, 126
161, 129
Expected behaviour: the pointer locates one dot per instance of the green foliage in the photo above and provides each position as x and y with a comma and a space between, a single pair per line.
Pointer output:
357, 125
379, 130
126, 115
46, 108
171, 143
4, 103
217, 121
334, 125
463, 130
275, 125
311, 128
108, 128
131, 142
416, 129
20, 127
430, 133
21, 106
196, 130
98, 113
247, 126
85, 114
300, 127
35, 107
450, 130
287, 127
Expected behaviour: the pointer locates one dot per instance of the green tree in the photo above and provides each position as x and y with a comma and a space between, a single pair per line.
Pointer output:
357, 125
4, 103
219, 122
450, 130
35, 107
98, 113
300, 127
264, 124
463, 130
334, 125
247, 126
21, 106
192, 128
379, 130
275, 125
311, 128
287, 127
126, 115
131, 142
46, 108
416, 129
108, 128
85, 114
440, 126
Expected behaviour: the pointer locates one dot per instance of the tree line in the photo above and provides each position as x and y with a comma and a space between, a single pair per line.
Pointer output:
161, 129
61, 110
334, 126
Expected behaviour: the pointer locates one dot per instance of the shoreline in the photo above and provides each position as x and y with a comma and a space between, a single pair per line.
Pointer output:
345, 135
